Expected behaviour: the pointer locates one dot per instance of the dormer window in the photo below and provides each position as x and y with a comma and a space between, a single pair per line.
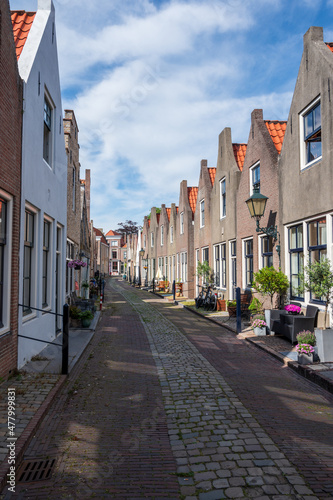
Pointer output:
202, 213
47, 142
311, 124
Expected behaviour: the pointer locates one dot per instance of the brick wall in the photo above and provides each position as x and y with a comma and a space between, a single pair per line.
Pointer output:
10, 168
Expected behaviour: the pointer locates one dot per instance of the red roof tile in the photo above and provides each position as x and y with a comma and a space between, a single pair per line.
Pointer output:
277, 130
112, 233
212, 173
168, 211
22, 22
192, 197
330, 46
239, 153
158, 218
148, 222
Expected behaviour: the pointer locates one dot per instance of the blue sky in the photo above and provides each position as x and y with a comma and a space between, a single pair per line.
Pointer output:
153, 83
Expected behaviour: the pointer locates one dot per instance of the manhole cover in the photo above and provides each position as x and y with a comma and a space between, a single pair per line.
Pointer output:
36, 470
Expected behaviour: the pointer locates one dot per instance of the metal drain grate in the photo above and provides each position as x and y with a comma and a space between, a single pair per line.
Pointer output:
36, 470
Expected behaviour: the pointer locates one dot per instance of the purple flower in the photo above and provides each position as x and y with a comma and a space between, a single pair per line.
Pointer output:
304, 349
293, 308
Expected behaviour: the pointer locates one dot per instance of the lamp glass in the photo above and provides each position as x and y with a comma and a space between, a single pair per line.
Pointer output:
257, 204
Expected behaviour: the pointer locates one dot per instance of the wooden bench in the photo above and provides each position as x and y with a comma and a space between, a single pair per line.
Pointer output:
246, 299
162, 286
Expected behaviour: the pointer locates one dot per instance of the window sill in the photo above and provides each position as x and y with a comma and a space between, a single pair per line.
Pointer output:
4, 331
29, 317
311, 164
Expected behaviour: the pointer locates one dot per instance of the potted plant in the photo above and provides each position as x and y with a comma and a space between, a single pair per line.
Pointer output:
74, 314
304, 354
268, 282
256, 306
308, 337
232, 307
259, 327
86, 317
293, 309
318, 279
76, 264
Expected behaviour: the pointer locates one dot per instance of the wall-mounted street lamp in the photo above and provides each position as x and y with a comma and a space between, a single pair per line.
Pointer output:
256, 205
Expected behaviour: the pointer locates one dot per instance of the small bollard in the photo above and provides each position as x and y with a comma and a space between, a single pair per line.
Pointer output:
174, 289
65, 330
101, 302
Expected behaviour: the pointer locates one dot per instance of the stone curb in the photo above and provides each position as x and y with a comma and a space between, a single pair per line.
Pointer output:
303, 370
26, 436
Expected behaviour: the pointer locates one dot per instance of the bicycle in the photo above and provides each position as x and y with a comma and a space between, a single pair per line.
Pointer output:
210, 301
199, 300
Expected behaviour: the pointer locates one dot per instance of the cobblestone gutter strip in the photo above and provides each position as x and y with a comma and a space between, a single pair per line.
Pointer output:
220, 323
28, 432
220, 449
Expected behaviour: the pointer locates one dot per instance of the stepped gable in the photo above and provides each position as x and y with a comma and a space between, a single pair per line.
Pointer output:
239, 153
277, 130
212, 173
192, 197
22, 22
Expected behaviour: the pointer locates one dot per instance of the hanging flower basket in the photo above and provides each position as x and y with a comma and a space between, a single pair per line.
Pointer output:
76, 264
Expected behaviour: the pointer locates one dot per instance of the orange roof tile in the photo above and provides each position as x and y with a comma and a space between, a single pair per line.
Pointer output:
330, 46
158, 218
277, 130
192, 197
239, 153
168, 211
148, 222
212, 173
22, 22
112, 233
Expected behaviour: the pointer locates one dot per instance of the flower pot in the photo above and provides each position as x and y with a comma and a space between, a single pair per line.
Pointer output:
259, 332
324, 341
304, 359
85, 322
268, 320
232, 310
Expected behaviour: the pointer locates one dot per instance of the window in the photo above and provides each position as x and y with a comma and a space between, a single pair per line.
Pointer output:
125, 255
248, 257
220, 265
171, 234
266, 251
223, 206
144, 241
183, 269
255, 178
27, 263
202, 213
166, 268
177, 266
182, 223
233, 269
3, 232
69, 270
162, 235
114, 254
317, 243
311, 121
114, 243
205, 255
296, 256
115, 266
152, 240
47, 143
46, 249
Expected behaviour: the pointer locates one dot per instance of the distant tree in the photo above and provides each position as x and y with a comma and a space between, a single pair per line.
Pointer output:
128, 227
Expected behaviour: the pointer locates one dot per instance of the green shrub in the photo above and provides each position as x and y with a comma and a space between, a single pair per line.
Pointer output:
86, 315
306, 337
74, 312
256, 306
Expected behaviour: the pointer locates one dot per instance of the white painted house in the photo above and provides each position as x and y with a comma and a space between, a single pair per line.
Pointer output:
44, 181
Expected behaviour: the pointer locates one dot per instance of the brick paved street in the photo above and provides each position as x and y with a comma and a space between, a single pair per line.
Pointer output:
166, 405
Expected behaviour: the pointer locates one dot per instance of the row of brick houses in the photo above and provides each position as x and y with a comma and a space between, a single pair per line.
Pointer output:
40, 233
290, 162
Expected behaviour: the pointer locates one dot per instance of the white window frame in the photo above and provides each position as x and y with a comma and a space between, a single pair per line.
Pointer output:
302, 115
183, 267
171, 234
49, 273
182, 223
7, 263
202, 213
251, 170
48, 156
244, 259
222, 270
152, 239
33, 270
114, 243
223, 215
232, 258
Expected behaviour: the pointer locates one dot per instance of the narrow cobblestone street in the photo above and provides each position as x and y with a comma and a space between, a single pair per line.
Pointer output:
164, 405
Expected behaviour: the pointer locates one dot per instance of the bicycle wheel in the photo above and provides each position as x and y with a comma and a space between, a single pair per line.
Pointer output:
213, 302
207, 301
198, 301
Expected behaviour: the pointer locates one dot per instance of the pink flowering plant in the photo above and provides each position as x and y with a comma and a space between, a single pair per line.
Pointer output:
293, 309
258, 323
76, 263
305, 349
